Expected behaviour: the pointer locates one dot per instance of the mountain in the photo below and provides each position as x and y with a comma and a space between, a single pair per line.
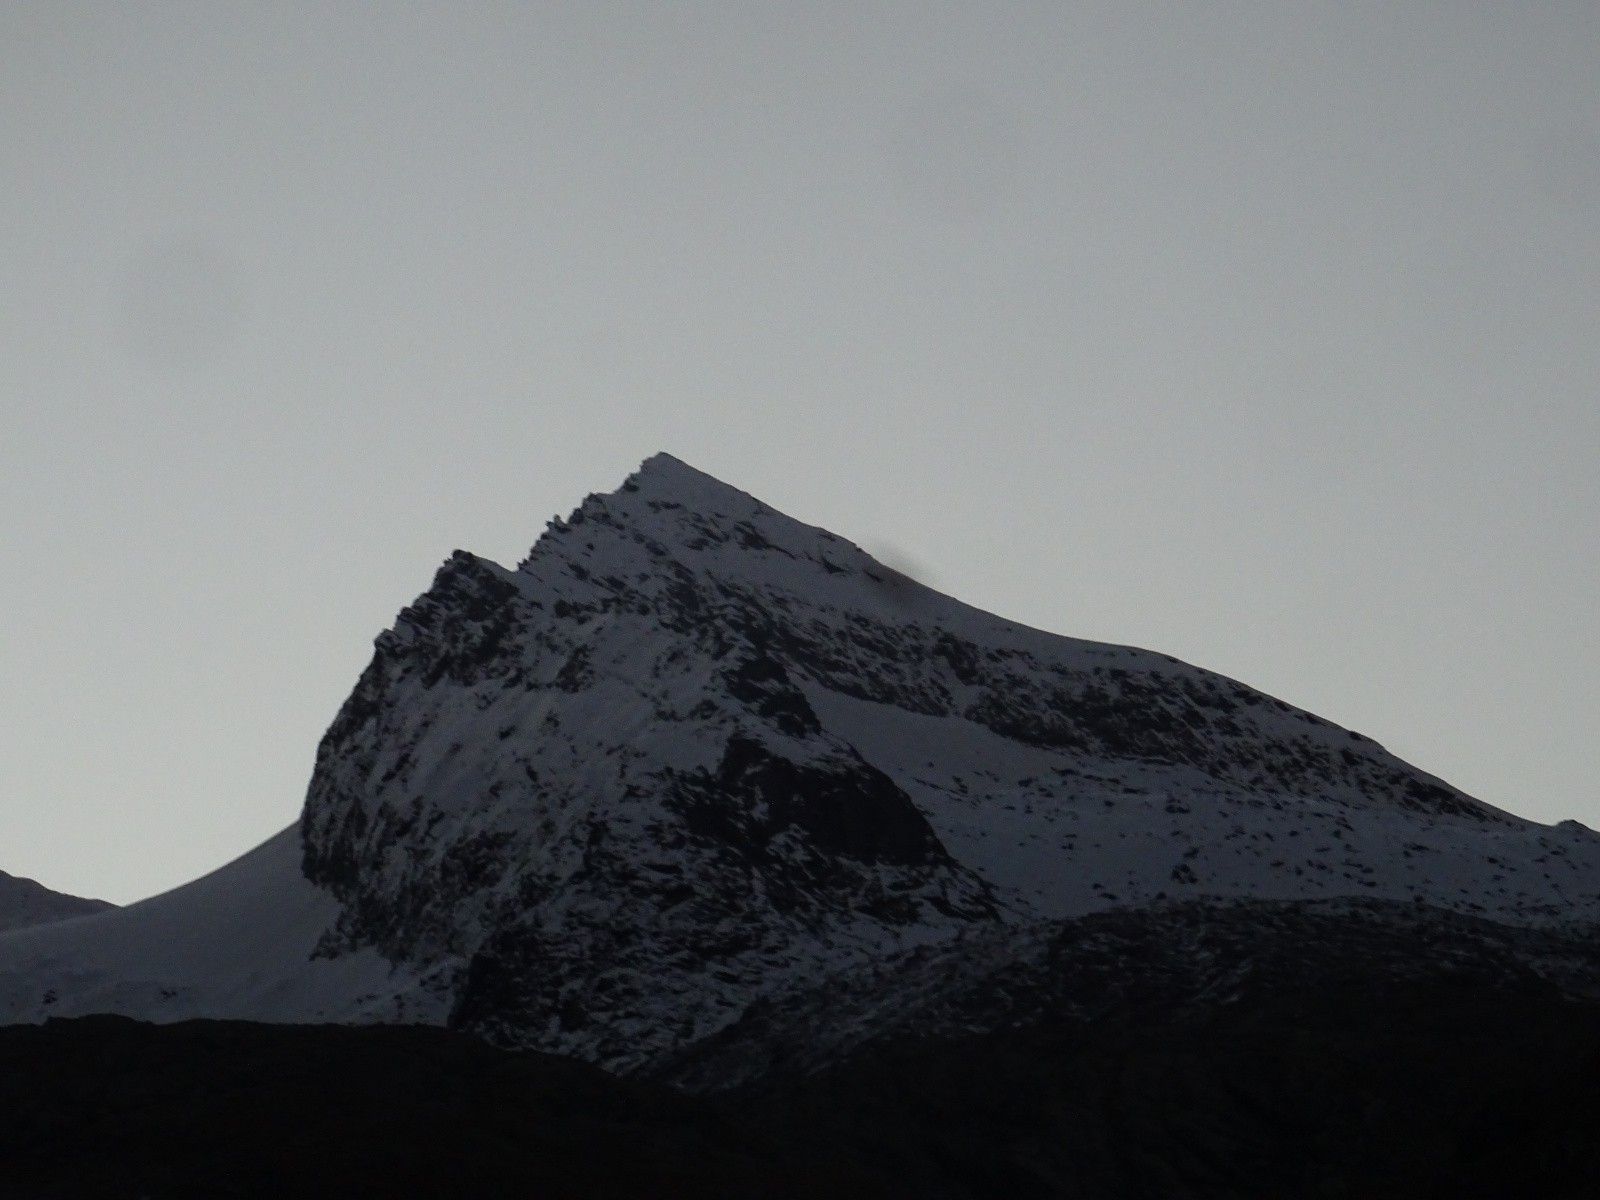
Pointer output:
701, 794
692, 753
24, 902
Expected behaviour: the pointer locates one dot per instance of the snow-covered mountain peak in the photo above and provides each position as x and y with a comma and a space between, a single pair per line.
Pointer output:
693, 754
666, 497
668, 520
665, 479
693, 749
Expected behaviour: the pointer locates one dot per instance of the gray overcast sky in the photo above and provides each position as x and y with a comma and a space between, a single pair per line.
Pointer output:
1260, 334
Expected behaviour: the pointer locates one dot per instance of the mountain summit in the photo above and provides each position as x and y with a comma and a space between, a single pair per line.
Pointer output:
694, 763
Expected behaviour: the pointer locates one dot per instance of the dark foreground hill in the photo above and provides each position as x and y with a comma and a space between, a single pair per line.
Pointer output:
1328, 1081
111, 1107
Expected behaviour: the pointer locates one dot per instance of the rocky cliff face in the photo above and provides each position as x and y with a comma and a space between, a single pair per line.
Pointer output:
692, 755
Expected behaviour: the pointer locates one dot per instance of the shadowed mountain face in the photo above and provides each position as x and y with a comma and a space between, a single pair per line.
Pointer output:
1360, 1087
1169, 967
24, 902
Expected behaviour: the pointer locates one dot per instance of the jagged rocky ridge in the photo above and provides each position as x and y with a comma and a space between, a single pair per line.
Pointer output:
692, 756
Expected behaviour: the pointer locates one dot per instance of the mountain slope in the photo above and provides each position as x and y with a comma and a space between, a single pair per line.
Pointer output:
237, 943
24, 902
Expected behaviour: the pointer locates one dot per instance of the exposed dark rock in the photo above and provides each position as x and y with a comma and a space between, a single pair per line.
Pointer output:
846, 809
